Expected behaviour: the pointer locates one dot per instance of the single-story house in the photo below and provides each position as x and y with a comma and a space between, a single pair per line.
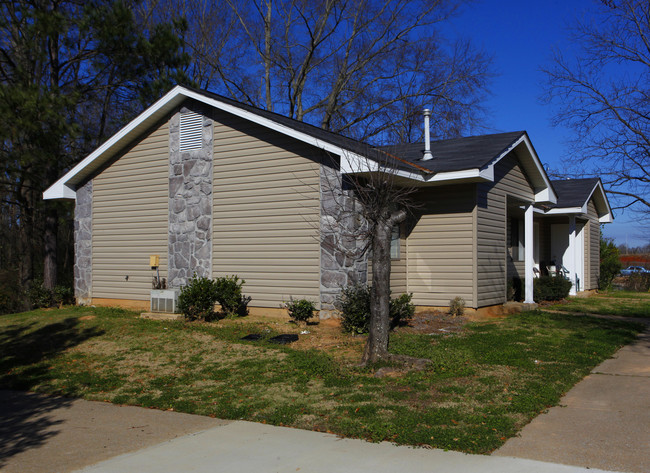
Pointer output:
216, 187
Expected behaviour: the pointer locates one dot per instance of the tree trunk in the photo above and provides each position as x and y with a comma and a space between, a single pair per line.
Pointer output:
50, 248
377, 344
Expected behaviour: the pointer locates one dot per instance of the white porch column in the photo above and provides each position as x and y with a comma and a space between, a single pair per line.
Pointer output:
571, 260
528, 254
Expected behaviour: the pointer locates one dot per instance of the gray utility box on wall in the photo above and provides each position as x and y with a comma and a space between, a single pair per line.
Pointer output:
164, 300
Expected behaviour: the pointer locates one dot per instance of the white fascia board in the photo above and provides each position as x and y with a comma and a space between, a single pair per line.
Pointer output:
608, 216
546, 194
351, 166
566, 210
61, 189
165, 104
285, 130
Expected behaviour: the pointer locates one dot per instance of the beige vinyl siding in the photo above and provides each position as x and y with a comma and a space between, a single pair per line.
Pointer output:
593, 248
492, 224
266, 212
440, 247
130, 215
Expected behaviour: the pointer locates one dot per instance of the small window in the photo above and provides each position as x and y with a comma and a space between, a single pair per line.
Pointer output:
395, 243
191, 131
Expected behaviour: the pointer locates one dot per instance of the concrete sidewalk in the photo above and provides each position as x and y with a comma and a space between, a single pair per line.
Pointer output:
249, 447
603, 422
41, 434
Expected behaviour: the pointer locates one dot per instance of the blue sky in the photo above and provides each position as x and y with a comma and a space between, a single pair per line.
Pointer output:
521, 37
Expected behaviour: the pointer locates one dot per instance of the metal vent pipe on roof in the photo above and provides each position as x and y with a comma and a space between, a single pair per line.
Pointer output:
427, 137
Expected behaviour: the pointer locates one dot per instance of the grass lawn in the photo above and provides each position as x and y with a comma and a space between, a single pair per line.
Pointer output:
624, 303
482, 385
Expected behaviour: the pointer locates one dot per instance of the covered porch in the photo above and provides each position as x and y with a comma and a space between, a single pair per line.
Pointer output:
558, 241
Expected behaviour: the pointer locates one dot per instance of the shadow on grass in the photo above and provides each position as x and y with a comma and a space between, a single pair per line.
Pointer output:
24, 352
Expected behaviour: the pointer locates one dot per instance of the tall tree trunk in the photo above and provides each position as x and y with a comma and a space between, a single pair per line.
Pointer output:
50, 247
377, 344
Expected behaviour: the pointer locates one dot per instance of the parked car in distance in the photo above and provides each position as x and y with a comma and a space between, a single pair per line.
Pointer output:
634, 270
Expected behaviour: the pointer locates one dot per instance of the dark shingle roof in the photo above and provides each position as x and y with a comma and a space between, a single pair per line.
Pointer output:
455, 154
573, 192
324, 135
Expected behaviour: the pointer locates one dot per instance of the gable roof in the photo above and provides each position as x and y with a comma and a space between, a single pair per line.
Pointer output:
457, 154
469, 159
574, 196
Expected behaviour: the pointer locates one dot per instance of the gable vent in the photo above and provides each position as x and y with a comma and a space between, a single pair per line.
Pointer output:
191, 131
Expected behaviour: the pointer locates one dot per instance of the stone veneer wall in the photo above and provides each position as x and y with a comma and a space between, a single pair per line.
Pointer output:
83, 243
190, 204
342, 262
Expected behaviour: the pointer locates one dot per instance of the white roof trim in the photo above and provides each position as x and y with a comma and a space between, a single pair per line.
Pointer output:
64, 187
607, 217
350, 162
546, 194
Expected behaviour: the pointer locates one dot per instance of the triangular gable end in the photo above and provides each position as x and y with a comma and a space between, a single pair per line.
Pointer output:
65, 187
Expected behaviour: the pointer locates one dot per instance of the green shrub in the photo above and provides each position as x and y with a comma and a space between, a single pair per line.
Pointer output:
457, 306
300, 310
515, 289
354, 303
549, 288
197, 299
63, 295
355, 308
610, 264
401, 310
637, 282
39, 296
229, 296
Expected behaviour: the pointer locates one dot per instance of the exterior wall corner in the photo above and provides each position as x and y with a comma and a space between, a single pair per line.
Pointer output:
83, 250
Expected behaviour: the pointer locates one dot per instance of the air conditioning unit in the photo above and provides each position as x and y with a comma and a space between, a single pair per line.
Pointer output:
164, 300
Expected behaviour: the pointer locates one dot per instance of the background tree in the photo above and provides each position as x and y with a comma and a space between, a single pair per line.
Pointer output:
610, 263
70, 72
363, 68
602, 94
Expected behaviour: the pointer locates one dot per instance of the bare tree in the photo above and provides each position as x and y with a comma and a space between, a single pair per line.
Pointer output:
369, 202
362, 68
603, 94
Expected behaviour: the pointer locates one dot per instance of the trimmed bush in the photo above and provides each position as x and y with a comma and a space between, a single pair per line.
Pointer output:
457, 306
300, 310
355, 308
548, 288
39, 296
402, 310
229, 296
196, 300
354, 303
515, 289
